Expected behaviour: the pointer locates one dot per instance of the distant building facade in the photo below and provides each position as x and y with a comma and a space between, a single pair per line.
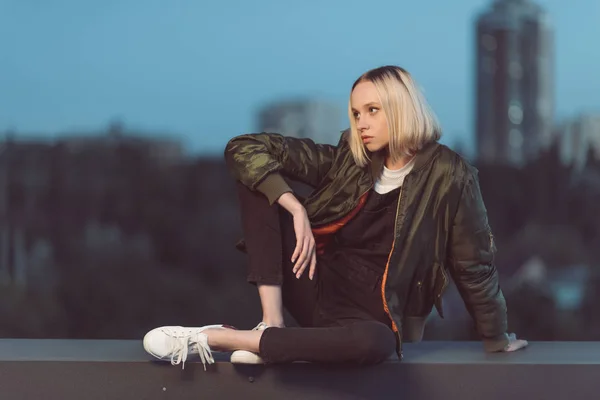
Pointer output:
33, 169
314, 119
514, 105
577, 138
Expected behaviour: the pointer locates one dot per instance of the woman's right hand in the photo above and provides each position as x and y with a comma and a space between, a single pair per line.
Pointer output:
305, 254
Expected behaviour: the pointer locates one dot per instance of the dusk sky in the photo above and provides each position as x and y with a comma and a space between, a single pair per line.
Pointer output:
200, 70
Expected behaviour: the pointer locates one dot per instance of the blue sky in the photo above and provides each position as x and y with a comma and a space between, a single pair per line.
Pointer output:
200, 70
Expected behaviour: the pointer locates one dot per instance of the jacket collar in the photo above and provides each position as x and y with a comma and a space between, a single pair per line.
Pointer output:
422, 158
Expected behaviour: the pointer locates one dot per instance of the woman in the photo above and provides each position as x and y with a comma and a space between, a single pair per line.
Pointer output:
362, 261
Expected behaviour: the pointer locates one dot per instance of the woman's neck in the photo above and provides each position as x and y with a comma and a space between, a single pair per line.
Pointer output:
397, 164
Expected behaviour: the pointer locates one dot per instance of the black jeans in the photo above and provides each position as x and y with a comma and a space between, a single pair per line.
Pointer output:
270, 242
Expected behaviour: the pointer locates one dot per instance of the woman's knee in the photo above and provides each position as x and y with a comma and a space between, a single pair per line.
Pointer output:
374, 342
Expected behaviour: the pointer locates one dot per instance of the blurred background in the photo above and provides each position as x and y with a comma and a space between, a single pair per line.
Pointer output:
117, 213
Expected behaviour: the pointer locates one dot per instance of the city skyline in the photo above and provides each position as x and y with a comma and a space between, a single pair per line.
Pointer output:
80, 66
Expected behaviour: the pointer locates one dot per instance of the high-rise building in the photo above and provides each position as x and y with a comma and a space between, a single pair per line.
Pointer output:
314, 119
514, 82
577, 138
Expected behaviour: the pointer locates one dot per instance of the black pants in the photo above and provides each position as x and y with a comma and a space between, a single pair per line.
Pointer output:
270, 242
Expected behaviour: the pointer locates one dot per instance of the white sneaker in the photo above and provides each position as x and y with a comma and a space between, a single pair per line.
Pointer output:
248, 357
176, 342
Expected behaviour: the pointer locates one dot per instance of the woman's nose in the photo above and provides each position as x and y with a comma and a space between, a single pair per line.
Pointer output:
362, 124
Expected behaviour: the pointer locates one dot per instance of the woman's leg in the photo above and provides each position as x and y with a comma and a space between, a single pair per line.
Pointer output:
359, 342
270, 241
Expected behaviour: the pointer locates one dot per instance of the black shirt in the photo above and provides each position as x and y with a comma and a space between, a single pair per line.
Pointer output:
353, 264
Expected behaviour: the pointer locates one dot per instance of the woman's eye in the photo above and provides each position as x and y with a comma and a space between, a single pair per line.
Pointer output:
356, 115
373, 110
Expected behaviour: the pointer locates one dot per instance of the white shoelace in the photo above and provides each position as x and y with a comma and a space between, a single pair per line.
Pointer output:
261, 326
180, 349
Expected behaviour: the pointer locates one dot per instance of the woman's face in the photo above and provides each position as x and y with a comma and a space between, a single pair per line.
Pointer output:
369, 116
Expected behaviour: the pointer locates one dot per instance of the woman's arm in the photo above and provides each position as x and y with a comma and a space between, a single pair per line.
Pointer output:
471, 256
259, 160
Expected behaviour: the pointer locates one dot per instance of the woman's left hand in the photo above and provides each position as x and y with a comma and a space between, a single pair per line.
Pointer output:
515, 344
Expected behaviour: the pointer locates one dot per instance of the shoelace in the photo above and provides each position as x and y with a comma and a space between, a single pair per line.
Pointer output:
261, 326
180, 349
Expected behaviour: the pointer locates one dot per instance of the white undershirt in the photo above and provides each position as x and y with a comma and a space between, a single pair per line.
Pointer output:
391, 179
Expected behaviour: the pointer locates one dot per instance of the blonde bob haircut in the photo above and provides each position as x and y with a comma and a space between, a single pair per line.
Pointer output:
411, 122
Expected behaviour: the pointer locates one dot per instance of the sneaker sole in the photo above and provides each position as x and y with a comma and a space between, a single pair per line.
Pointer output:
245, 357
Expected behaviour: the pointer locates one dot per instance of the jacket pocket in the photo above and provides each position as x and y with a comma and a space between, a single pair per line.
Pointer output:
420, 298
481, 248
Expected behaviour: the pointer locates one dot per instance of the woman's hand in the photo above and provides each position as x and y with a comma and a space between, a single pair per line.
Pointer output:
515, 344
305, 254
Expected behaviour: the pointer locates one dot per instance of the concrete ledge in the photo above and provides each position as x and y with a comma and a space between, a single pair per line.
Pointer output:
120, 369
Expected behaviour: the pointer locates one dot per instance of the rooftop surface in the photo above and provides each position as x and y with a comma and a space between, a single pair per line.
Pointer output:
120, 369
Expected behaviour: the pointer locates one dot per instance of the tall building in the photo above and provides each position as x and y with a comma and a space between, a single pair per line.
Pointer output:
514, 82
314, 119
577, 138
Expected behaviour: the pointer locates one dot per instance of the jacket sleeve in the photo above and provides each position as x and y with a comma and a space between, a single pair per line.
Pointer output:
471, 256
260, 160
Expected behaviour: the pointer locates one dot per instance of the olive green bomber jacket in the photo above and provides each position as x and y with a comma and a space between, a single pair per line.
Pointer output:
441, 223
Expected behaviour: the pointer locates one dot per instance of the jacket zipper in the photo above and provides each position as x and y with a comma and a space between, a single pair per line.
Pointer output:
491, 244
444, 285
385, 274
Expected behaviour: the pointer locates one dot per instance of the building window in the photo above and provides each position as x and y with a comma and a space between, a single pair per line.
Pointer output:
488, 42
515, 139
515, 114
488, 65
544, 107
515, 70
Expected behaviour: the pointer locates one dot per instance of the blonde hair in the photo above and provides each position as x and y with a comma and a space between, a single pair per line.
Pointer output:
411, 122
